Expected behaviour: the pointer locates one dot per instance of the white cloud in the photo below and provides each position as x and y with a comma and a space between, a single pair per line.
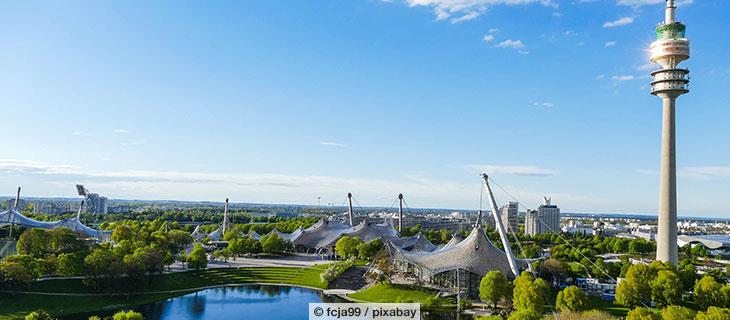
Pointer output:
133, 143
618, 22
623, 78
509, 43
121, 131
35, 167
492, 30
84, 134
523, 52
511, 170
488, 38
543, 104
464, 10
332, 144
609, 44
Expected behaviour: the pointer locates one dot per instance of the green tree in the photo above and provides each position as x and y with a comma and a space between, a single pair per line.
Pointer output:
714, 313
70, 264
525, 314
493, 287
347, 246
571, 299
707, 292
197, 258
179, 239
642, 314
634, 290
666, 288
273, 243
368, 250
678, 313
528, 293
127, 315
13, 275
39, 315
123, 232
33, 242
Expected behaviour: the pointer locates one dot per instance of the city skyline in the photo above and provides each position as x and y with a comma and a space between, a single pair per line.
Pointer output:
260, 105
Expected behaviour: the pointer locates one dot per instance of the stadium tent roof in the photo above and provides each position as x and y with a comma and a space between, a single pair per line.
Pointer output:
419, 242
322, 234
455, 239
287, 236
369, 231
14, 217
475, 254
253, 234
198, 233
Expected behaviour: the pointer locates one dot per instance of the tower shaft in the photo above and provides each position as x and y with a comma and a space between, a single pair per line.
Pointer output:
667, 231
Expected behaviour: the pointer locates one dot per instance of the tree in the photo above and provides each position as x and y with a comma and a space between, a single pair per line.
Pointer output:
525, 314
707, 292
179, 239
273, 243
553, 269
127, 315
714, 313
528, 293
493, 287
347, 246
571, 299
666, 288
64, 240
70, 264
33, 242
642, 314
13, 275
368, 250
634, 290
123, 232
39, 315
678, 313
102, 268
725, 293
197, 258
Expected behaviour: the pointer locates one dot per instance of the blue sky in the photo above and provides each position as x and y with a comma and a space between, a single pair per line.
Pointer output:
285, 101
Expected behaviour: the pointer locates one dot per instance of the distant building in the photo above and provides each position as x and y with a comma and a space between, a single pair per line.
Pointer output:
509, 216
546, 219
21, 204
96, 203
119, 209
51, 207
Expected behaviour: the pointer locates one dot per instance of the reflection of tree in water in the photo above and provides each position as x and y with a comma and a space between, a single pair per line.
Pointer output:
196, 303
271, 291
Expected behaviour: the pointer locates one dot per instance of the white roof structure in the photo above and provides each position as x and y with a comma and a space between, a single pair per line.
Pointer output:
322, 234
253, 234
417, 243
455, 239
217, 234
12, 216
287, 236
198, 234
367, 232
475, 253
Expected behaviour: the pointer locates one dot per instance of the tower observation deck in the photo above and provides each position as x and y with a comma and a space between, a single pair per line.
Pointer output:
670, 48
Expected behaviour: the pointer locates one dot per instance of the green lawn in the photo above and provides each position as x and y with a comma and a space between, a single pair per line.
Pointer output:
395, 293
608, 306
16, 306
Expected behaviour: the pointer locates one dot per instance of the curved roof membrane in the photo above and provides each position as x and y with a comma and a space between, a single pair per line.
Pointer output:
14, 217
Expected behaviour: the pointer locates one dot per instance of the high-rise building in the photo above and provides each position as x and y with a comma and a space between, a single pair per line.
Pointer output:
95, 203
509, 216
670, 48
546, 219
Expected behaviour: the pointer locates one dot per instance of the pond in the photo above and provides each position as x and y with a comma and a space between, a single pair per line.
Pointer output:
246, 302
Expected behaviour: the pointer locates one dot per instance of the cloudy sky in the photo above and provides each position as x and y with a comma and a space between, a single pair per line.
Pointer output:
287, 101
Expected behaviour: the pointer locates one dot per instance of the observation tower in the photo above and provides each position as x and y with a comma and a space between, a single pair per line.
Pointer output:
670, 48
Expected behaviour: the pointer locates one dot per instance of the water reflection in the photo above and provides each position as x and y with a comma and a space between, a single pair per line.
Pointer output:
249, 302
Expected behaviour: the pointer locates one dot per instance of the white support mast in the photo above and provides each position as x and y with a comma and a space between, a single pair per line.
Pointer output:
349, 211
78, 214
12, 215
500, 228
225, 218
400, 213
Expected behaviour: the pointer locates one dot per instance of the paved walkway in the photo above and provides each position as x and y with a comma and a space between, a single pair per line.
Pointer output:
295, 260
